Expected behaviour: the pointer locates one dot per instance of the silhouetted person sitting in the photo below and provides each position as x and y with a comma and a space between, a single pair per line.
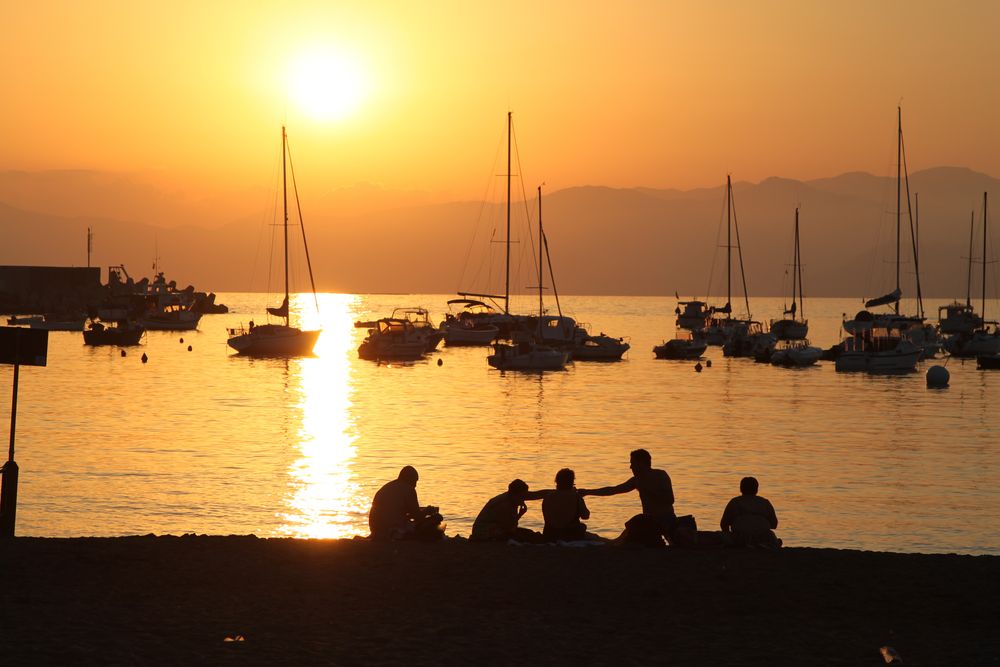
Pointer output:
749, 519
563, 510
497, 521
396, 514
656, 494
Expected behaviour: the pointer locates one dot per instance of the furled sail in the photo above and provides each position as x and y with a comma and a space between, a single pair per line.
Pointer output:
280, 311
891, 297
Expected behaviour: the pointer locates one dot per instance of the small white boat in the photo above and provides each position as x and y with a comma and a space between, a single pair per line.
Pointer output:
173, 317
795, 354
686, 344
59, 323
393, 340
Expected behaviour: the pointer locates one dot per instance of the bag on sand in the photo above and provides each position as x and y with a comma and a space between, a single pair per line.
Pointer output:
684, 533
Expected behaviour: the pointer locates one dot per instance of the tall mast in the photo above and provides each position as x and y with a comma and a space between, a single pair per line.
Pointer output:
506, 292
541, 275
984, 261
284, 197
899, 166
729, 242
968, 285
795, 261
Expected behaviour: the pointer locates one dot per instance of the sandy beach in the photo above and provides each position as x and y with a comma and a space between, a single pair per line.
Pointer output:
174, 600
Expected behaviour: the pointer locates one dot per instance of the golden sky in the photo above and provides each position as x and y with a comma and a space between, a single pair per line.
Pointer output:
658, 93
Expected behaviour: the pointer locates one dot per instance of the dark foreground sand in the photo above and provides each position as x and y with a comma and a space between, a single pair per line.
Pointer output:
173, 600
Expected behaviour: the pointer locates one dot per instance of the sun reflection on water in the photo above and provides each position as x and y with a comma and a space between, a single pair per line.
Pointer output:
325, 499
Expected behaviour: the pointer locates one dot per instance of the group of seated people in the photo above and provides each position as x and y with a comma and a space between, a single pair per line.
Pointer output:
748, 519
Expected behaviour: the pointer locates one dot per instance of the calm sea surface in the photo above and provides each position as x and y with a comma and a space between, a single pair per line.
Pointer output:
209, 442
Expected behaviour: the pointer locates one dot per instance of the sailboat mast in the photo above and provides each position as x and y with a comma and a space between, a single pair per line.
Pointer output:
984, 261
506, 291
968, 284
729, 241
284, 197
795, 261
899, 167
541, 275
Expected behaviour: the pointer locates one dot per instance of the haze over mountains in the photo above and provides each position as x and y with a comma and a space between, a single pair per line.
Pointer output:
636, 241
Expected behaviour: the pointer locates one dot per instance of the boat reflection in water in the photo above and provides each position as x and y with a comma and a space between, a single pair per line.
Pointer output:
325, 500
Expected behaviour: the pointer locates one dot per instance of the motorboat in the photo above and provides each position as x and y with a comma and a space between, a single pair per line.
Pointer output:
694, 315
601, 347
795, 354
122, 334
393, 339
475, 324
14, 320
526, 355
877, 351
686, 344
55, 322
748, 341
421, 321
172, 317
958, 318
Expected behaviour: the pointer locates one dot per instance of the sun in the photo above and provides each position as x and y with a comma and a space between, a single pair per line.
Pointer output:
326, 85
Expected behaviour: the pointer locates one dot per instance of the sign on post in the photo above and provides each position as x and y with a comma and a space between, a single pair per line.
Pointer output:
28, 347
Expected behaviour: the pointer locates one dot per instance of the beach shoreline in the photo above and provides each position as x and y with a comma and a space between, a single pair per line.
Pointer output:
170, 600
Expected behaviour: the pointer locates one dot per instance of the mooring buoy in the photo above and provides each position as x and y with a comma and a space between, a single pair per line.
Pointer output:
938, 377
144, 358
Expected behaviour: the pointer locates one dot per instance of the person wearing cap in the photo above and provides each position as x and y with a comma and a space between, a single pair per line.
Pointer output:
396, 515
497, 521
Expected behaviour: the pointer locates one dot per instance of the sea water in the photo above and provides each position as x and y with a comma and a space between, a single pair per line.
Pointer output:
205, 441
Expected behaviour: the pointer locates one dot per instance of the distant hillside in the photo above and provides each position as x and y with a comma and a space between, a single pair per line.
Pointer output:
602, 240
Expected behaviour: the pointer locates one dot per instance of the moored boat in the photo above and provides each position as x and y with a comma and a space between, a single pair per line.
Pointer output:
121, 334
393, 339
686, 344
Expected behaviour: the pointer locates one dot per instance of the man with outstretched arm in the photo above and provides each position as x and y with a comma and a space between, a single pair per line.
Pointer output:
656, 493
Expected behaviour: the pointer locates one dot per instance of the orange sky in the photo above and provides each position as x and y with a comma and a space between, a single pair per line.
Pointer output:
623, 94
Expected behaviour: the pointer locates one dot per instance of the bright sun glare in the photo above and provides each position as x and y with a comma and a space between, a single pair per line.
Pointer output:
326, 85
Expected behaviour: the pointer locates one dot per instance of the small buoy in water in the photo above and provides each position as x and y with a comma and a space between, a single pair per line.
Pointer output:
182, 340
708, 363
189, 348
697, 367
123, 353
144, 358
440, 362
937, 377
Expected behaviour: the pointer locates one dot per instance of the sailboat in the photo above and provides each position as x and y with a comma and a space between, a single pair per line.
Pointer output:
982, 341
958, 317
525, 352
279, 340
792, 349
795, 327
480, 315
911, 327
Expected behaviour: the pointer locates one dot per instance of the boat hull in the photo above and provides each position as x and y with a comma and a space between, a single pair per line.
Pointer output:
270, 340
680, 349
114, 336
458, 336
512, 358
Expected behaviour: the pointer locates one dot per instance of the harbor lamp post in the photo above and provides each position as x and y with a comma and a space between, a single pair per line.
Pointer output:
17, 347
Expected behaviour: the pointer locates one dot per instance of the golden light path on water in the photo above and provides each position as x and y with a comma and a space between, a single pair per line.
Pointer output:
325, 500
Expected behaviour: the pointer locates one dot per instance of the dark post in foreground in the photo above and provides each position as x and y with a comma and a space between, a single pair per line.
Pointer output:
17, 346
